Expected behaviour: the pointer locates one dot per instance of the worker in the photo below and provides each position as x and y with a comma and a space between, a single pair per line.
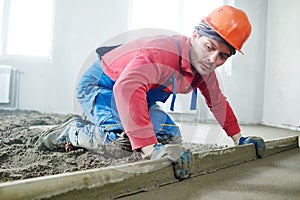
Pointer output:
120, 91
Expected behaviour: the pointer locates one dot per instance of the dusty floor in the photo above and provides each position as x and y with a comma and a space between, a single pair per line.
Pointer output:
20, 159
276, 177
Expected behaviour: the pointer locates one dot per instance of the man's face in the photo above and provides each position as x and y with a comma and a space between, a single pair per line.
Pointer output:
207, 54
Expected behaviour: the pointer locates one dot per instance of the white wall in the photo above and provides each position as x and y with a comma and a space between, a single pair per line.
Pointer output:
282, 92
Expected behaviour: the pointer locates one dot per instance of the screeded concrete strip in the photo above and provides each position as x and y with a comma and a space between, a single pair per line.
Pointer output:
110, 182
283, 144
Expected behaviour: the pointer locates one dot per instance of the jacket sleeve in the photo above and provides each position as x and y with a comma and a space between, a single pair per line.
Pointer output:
218, 104
130, 91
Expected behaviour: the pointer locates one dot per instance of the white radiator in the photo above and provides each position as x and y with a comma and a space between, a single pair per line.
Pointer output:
9, 87
5, 79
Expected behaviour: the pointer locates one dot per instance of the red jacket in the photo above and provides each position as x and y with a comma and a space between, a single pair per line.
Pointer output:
147, 63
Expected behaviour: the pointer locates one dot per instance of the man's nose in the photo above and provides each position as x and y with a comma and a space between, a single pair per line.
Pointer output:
212, 58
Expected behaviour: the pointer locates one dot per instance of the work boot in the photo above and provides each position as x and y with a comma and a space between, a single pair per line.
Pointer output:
123, 142
85, 135
56, 138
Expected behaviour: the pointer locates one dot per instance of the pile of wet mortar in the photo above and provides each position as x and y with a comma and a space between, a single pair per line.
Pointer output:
20, 158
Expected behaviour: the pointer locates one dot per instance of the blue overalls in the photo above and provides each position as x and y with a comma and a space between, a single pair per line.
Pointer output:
95, 95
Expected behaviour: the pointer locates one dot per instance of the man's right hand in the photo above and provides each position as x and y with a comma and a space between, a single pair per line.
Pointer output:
180, 157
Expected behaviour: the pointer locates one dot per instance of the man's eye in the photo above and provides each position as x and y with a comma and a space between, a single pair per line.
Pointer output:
223, 56
208, 46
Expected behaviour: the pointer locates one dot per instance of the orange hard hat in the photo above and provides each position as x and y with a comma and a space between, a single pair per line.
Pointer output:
231, 24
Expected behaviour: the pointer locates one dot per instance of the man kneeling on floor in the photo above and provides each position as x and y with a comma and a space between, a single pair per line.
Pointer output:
120, 91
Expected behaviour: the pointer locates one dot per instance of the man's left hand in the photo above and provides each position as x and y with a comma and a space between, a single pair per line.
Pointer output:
257, 141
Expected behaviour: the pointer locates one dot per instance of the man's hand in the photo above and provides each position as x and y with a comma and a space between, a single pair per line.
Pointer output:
180, 158
257, 141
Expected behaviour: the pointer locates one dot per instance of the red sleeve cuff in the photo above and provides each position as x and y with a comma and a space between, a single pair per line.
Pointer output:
232, 130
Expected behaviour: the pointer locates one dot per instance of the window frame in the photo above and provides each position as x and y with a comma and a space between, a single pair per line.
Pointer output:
4, 38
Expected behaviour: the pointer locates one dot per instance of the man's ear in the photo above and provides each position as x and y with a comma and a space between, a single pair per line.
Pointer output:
195, 36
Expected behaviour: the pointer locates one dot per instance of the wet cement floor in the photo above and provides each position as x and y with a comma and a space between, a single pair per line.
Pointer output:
274, 177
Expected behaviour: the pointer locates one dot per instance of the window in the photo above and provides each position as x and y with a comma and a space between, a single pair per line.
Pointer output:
153, 14
175, 15
27, 28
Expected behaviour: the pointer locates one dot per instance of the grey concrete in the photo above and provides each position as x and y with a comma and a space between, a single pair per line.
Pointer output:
275, 177
266, 176
134, 177
123, 179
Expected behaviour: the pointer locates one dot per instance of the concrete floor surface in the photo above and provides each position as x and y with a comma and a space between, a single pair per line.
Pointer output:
274, 177
210, 133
